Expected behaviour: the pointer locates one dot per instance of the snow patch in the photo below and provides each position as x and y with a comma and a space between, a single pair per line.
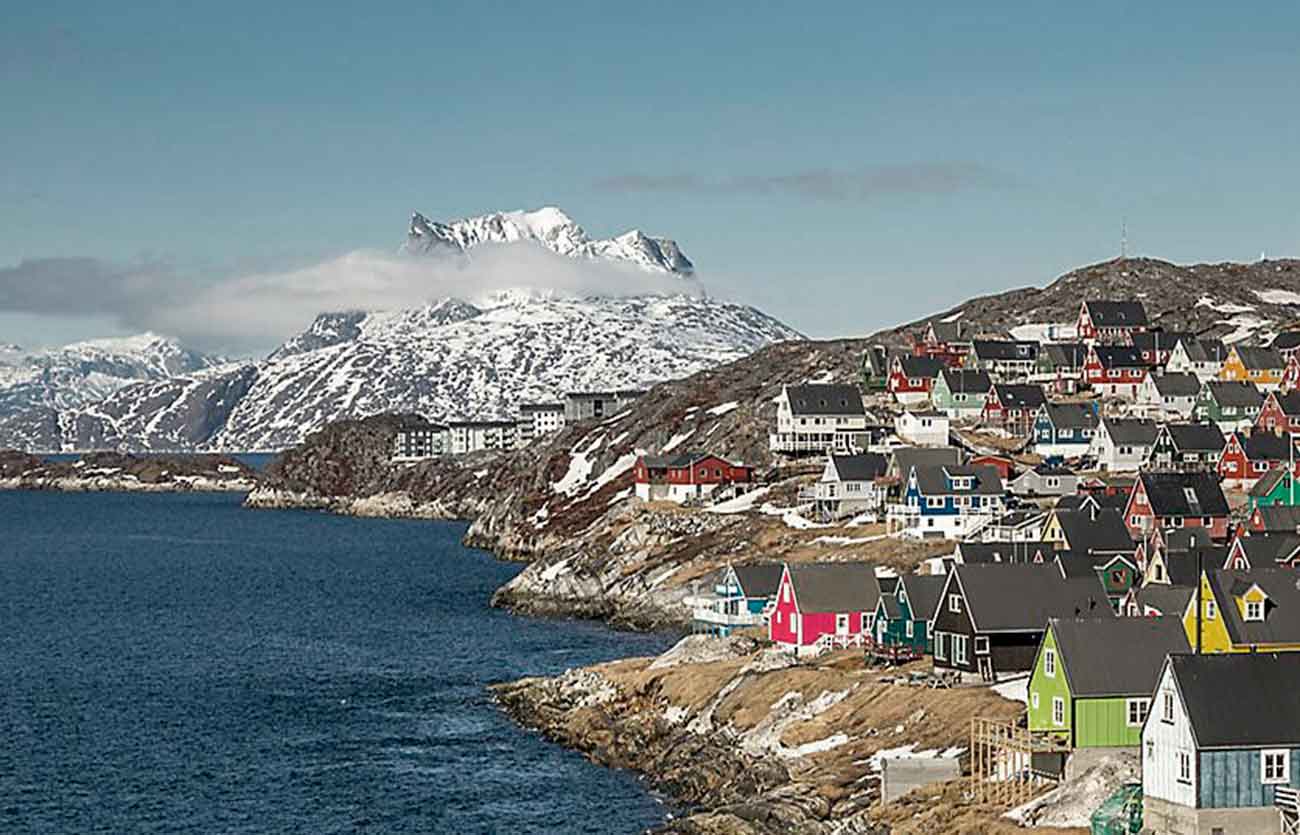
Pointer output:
1223, 307
1278, 296
719, 411
741, 503
677, 440
1045, 331
1013, 689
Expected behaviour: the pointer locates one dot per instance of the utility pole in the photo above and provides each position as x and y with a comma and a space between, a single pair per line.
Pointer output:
1123, 238
1200, 579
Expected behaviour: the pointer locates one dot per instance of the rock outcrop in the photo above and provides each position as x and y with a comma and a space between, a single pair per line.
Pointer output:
112, 472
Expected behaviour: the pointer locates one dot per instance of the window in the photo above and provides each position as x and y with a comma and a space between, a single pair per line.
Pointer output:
1210, 610
982, 645
1168, 715
1049, 663
934, 501
940, 646
1275, 766
1058, 710
910, 629
959, 649
954, 603
1254, 610
1151, 749
1137, 711
1184, 767
1033, 699
841, 623
785, 592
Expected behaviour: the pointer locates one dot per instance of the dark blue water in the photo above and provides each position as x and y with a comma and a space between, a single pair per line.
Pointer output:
172, 663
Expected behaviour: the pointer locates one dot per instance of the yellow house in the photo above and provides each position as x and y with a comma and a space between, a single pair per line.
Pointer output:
1261, 366
1246, 611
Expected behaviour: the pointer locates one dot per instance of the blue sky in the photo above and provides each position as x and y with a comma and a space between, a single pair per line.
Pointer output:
842, 169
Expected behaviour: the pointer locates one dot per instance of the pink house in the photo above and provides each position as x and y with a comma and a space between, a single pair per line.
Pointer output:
822, 606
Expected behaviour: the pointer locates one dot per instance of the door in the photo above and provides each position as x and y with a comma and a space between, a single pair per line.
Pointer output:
842, 625
985, 664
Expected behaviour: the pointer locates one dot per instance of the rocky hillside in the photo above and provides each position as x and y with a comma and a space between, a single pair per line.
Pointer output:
113, 472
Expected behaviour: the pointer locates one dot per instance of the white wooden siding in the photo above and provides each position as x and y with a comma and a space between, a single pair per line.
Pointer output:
1160, 766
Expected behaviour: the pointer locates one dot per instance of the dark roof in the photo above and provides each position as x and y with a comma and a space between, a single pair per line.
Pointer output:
1177, 385
1113, 314
1159, 340
949, 331
923, 592
1116, 656
1093, 533
1205, 350
1200, 437
1023, 597
1280, 517
1131, 431
983, 553
835, 586
933, 481
1289, 402
1020, 395
1051, 469
865, 467
1267, 482
1285, 341
960, 380
1241, 700
1281, 622
1071, 415
1185, 539
922, 367
759, 579
1184, 494
1235, 393
1260, 358
1266, 549
1181, 565
1167, 600
1066, 354
890, 602
905, 458
1264, 446
542, 407
1120, 356
823, 399
991, 349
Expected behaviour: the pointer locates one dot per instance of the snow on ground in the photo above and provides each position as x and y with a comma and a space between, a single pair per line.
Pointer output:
1045, 331
821, 379
580, 467
740, 504
1244, 327
817, 746
954, 317
624, 463
1223, 307
676, 441
1015, 689
1278, 296
790, 516
1073, 801
848, 540
620, 495
554, 570
909, 751
719, 411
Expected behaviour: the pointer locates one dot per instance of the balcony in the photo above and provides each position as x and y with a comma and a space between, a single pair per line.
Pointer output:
714, 610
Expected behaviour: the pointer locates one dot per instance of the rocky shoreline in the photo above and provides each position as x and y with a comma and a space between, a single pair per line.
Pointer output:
101, 472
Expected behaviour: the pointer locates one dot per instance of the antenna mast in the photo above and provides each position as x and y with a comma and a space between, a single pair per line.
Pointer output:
1123, 238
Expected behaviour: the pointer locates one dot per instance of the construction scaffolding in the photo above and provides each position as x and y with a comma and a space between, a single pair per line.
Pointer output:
1009, 765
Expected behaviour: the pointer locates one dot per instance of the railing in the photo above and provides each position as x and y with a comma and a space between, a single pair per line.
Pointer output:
830, 643
710, 610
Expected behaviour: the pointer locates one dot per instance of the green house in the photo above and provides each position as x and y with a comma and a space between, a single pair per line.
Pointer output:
1092, 680
904, 617
1223, 401
1274, 488
960, 392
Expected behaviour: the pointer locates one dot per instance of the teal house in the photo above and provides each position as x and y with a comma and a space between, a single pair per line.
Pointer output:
1275, 488
738, 599
904, 618
960, 393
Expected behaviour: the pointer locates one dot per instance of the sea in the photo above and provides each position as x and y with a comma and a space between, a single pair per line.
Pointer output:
173, 663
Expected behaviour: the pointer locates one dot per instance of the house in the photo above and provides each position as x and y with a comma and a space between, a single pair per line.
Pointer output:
1111, 322
1202, 357
596, 405
1088, 531
1260, 366
1005, 359
1184, 447
1276, 487
1175, 557
1064, 430
947, 342
1276, 518
1001, 463
818, 418
1263, 550
991, 618
1222, 735
1092, 678
848, 486
1044, 480
1169, 396
1013, 406
822, 606
1287, 343
538, 420
1015, 527
1232, 405
960, 393
419, 439
686, 478
947, 501
875, 368
912, 378
922, 428
1115, 371
1117, 573
1060, 366
1123, 444
1157, 346
1247, 458
1280, 413
468, 436
1177, 500
1154, 601
1096, 501
909, 612
1039, 552
1246, 611
1291, 374
738, 599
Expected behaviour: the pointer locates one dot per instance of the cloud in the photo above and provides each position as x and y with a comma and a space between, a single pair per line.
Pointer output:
822, 183
256, 311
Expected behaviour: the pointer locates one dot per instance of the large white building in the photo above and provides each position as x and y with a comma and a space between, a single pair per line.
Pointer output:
538, 420
477, 435
819, 418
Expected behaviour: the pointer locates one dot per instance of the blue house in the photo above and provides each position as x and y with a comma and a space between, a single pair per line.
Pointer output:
1222, 734
948, 500
738, 599
1064, 430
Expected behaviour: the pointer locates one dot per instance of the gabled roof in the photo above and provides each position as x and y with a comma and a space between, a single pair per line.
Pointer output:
890, 604
1281, 624
1101, 501
835, 586
964, 381
984, 553
1184, 494
759, 579
865, 467
1280, 517
1267, 549
1117, 314
1195, 437
1019, 395
1131, 431
937, 481
1102, 532
923, 592
905, 458
1119, 356
994, 349
922, 367
1070, 355
1289, 402
1241, 700
1071, 415
1159, 340
949, 331
1167, 600
1023, 597
1267, 482
1116, 656
1264, 446
1205, 350
1181, 566
1177, 385
1260, 358
1185, 539
824, 399
1286, 341
1234, 393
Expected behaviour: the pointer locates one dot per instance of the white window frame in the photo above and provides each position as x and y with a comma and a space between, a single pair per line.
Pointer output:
909, 629
981, 645
954, 604
1049, 663
1136, 711
1184, 760
1168, 714
959, 649
1211, 611
841, 622
940, 646
1033, 700
1277, 761
1257, 607
1058, 711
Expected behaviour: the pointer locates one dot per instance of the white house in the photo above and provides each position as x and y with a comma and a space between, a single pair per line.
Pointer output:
818, 418
848, 486
1204, 358
1123, 444
923, 428
1169, 396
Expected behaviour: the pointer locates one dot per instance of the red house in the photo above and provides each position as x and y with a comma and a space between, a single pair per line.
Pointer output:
1110, 322
1177, 500
911, 378
998, 462
1013, 406
1114, 370
1248, 458
1280, 413
945, 342
688, 477
822, 606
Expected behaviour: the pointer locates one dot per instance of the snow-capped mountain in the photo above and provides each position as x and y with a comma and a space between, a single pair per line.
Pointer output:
445, 360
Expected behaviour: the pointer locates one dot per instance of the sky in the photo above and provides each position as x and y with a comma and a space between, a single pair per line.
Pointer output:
842, 166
